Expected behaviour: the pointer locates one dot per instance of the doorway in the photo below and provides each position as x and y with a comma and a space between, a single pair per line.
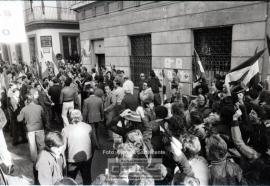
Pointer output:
100, 61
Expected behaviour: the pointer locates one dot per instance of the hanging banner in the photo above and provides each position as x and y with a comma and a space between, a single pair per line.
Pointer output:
12, 28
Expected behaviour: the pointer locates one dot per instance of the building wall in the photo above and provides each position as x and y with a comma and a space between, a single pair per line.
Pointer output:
56, 43
171, 25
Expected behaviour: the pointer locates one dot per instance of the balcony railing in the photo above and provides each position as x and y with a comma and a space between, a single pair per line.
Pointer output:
49, 13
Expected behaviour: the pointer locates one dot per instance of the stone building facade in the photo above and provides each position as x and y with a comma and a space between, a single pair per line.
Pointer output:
140, 35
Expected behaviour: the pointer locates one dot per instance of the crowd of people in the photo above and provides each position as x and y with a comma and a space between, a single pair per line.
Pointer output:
219, 136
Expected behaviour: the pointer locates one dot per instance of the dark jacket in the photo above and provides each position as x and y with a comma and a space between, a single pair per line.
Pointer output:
129, 102
43, 100
155, 84
93, 109
55, 92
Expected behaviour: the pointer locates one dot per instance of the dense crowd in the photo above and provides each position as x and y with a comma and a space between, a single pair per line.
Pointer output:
160, 136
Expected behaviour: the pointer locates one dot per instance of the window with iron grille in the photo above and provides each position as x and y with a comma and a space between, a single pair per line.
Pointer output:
141, 56
214, 47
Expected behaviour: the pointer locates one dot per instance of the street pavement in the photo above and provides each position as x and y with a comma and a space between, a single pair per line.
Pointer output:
24, 166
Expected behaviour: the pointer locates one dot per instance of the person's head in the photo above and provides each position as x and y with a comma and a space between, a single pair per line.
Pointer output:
24, 79
46, 80
100, 79
68, 82
177, 109
142, 76
256, 113
108, 75
191, 145
226, 113
76, 116
66, 181
145, 85
93, 70
54, 142
84, 69
29, 98
152, 74
56, 81
148, 103
32, 84
161, 112
216, 148
128, 87
185, 180
98, 92
38, 86
201, 100
91, 91
46, 85
196, 118
108, 89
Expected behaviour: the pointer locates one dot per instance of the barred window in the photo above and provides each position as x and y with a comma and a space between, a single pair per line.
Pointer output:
141, 56
214, 47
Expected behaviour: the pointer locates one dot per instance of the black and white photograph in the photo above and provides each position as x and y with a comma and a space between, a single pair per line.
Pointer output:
134, 92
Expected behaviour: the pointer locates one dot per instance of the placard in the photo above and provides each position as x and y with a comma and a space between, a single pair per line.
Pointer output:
185, 75
167, 62
46, 41
46, 50
178, 63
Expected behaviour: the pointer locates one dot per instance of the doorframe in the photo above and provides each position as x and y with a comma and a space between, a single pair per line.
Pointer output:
61, 34
36, 47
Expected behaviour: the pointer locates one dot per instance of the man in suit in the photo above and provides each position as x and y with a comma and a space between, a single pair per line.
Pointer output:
93, 111
55, 92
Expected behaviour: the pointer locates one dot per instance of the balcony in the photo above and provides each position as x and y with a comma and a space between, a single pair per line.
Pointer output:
39, 14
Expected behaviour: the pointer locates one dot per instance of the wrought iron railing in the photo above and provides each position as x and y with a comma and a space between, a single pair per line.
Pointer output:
49, 13
213, 64
138, 65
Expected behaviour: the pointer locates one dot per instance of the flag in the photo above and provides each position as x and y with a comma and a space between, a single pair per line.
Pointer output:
244, 72
268, 45
256, 51
4, 81
55, 63
200, 72
44, 66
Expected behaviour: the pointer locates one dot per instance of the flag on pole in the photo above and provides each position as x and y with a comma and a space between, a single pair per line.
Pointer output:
44, 66
55, 63
4, 80
244, 72
200, 72
268, 45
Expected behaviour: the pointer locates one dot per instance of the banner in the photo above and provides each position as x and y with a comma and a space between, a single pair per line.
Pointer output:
12, 28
